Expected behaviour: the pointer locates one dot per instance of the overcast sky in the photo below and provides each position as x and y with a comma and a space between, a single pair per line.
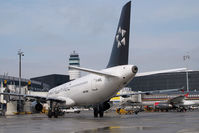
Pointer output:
48, 31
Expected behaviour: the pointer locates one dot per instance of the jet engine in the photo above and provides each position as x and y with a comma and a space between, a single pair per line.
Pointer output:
36, 106
163, 106
106, 106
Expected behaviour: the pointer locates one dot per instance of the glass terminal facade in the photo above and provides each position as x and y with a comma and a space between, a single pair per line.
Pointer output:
165, 81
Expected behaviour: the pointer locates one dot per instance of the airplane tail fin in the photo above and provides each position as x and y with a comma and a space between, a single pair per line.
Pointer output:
156, 103
186, 95
120, 50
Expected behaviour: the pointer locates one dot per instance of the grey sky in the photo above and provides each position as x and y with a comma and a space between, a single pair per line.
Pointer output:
49, 30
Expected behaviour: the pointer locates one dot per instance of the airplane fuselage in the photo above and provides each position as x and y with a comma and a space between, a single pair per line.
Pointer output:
94, 89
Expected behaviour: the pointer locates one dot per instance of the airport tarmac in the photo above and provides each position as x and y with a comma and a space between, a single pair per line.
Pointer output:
145, 122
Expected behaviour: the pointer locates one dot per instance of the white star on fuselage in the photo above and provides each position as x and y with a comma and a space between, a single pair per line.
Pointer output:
120, 37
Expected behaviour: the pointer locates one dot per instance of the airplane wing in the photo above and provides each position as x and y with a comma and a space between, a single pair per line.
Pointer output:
158, 72
34, 97
164, 91
129, 94
149, 92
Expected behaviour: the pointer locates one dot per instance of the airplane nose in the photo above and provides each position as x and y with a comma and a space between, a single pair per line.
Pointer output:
134, 69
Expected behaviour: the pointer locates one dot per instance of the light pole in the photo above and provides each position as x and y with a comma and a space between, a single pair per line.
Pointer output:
187, 57
20, 53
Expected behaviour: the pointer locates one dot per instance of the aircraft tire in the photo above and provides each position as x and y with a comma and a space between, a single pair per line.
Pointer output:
101, 111
95, 112
136, 112
50, 114
56, 113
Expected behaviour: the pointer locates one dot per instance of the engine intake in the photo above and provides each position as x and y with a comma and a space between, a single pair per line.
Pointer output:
37, 107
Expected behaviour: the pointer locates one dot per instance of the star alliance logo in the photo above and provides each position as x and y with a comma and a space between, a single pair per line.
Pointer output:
120, 37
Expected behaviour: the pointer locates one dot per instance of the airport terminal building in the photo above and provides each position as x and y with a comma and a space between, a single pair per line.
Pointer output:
42, 83
163, 81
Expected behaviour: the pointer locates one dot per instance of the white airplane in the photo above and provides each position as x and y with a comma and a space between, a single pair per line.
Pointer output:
180, 103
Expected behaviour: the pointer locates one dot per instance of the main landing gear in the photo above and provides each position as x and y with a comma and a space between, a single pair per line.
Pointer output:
98, 110
54, 110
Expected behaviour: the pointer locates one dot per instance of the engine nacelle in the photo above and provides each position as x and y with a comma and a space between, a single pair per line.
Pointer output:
37, 107
162, 106
106, 106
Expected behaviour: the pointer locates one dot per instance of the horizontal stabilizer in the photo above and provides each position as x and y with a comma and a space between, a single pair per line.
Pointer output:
92, 71
162, 71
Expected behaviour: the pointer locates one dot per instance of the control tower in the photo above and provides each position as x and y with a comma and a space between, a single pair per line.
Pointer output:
74, 61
